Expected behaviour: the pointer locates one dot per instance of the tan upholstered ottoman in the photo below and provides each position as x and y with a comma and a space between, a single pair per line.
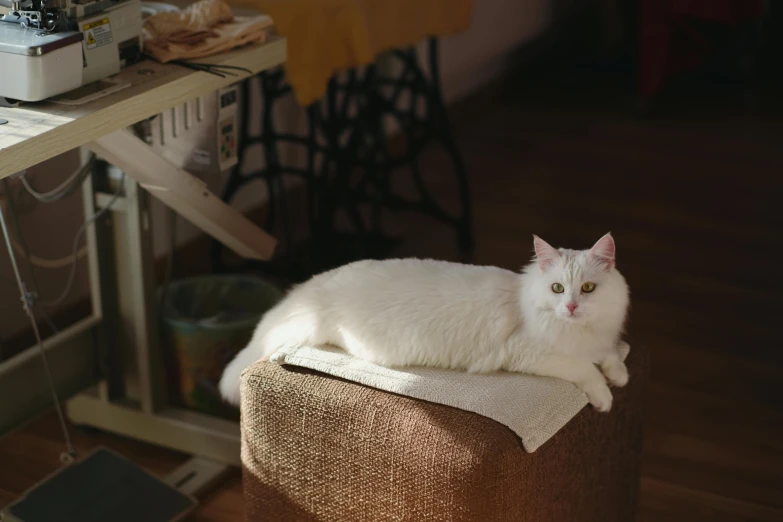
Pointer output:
318, 448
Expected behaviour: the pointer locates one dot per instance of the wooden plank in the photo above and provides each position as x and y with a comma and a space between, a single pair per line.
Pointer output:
682, 503
184, 193
38, 131
190, 432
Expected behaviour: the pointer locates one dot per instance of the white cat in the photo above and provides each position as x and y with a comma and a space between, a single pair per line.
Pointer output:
560, 317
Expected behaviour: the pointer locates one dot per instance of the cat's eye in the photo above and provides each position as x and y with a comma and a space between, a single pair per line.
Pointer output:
588, 287
558, 288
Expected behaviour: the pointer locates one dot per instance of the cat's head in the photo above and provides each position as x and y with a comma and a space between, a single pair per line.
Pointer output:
579, 286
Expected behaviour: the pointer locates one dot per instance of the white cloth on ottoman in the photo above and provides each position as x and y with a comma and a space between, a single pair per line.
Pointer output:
535, 408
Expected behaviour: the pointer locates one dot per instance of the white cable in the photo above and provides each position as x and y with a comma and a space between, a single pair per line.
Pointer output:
65, 188
42, 262
77, 239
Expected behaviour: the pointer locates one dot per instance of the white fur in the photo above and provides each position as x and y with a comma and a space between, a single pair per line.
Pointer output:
413, 312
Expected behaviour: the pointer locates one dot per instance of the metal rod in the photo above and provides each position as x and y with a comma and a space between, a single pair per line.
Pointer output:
27, 306
26, 253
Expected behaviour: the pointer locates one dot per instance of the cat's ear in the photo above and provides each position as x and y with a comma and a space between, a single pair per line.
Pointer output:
546, 254
603, 251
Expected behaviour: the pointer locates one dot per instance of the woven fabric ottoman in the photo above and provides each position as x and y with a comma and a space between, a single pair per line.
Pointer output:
317, 448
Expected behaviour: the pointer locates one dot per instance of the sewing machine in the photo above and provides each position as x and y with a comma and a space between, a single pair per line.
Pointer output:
55, 46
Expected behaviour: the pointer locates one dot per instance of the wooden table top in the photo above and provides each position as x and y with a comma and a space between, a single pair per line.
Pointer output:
38, 131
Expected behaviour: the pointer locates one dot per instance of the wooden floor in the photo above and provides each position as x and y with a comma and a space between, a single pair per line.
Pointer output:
693, 198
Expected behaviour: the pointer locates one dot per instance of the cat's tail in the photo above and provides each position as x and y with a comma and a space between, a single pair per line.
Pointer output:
280, 326
230, 380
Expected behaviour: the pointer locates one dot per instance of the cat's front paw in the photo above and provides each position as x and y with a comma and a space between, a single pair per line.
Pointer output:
616, 373
623, 349
600, 396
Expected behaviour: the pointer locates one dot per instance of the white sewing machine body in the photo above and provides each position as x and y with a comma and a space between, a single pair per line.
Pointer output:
90, 42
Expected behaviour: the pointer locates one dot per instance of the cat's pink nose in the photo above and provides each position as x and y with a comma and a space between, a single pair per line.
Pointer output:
571, 307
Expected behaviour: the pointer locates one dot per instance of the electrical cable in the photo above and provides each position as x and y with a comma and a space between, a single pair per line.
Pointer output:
212, 68
77, 238
23, 252
41, 262
65, 188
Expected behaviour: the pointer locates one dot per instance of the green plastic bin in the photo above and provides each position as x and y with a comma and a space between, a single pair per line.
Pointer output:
206, 321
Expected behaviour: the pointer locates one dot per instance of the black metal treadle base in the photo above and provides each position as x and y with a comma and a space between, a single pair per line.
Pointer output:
348, 168
102, 487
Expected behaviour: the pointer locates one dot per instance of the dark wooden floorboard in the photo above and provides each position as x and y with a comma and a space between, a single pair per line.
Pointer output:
694, 200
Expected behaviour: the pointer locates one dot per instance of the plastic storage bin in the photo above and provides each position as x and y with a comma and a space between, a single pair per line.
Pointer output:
206, 321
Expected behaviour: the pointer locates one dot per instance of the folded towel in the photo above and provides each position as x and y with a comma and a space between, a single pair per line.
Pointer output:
535, 408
